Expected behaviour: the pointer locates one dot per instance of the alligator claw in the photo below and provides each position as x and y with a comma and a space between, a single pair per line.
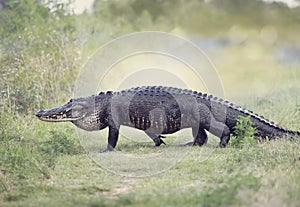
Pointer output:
108, 149
158, 141
163, 142
105, 150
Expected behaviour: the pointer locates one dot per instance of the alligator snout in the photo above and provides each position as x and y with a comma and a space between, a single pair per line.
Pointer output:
40, 113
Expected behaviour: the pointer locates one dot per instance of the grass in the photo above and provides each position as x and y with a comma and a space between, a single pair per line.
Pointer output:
229, 177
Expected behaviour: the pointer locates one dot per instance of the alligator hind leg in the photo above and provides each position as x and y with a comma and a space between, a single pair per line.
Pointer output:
207, 121
200, 136
156, 138
221, 130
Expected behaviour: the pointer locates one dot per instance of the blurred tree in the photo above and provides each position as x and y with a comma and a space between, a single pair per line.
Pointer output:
137, 15
36, 47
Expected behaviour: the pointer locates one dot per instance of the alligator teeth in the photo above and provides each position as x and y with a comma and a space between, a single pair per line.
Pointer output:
69, 109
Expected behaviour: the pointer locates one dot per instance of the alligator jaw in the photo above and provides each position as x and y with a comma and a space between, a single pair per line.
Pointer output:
53, 115
56, 118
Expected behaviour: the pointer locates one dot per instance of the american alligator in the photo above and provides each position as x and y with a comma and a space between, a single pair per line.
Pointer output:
160, 110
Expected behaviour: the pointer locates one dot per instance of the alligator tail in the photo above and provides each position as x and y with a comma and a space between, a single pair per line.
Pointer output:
297, 133
293, 134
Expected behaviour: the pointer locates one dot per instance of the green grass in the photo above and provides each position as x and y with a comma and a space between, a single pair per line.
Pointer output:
229, 177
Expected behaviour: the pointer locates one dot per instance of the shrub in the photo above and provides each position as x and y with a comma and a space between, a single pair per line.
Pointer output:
244, 134
59, 144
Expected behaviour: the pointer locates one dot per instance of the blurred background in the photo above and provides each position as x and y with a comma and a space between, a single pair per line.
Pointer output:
254, 45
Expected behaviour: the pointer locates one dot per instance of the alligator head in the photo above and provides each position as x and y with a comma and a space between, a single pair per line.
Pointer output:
71, 111
83, 112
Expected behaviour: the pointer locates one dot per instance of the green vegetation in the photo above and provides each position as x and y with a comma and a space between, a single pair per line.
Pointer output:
41, 52
244, 133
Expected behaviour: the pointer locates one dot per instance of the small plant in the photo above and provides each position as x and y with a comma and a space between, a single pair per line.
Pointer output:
59, 144
244, 134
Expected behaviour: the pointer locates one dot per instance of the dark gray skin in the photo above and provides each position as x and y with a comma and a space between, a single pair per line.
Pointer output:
160, 110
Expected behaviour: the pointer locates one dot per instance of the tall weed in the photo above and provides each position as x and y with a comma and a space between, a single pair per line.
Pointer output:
244, 135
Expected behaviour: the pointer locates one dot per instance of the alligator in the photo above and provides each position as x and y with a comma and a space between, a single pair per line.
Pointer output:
159, 110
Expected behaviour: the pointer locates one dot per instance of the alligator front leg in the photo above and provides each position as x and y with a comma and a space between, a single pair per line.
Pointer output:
113, 135
156, 138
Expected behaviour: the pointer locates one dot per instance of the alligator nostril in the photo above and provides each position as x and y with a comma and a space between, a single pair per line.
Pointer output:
39, 113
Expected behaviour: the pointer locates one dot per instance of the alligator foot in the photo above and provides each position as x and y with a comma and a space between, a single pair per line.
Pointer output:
224, 141
108, 149
158, 141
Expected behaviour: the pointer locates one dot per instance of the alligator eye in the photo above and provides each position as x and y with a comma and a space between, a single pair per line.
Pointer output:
71, 100
77, 107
